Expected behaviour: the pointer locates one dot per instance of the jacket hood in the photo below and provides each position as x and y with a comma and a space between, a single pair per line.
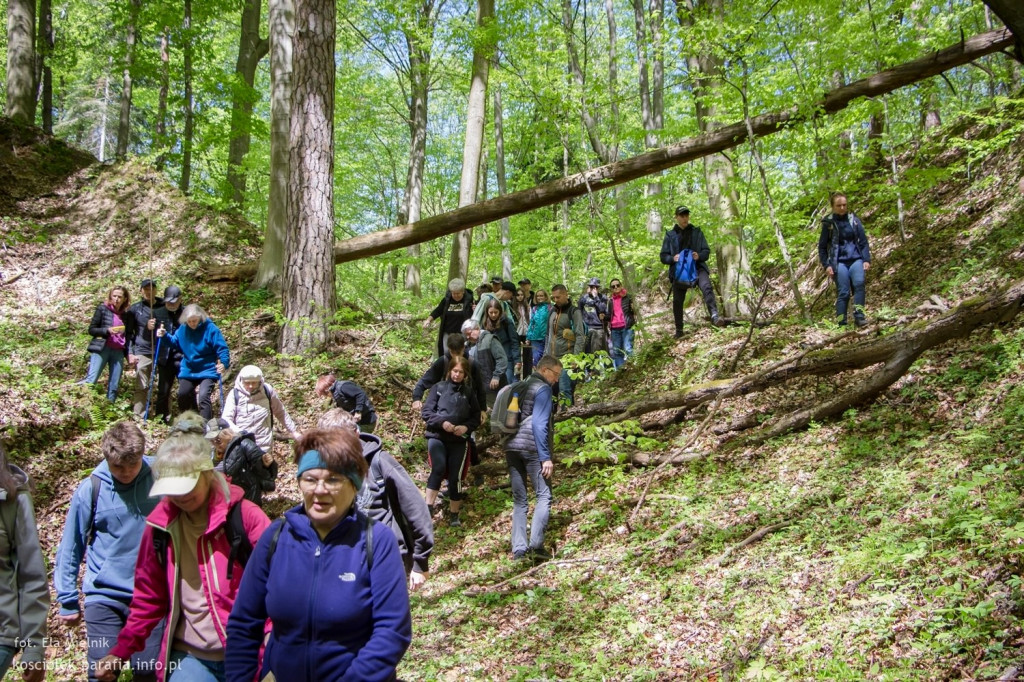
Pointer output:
371, 445
240, 387
20, 477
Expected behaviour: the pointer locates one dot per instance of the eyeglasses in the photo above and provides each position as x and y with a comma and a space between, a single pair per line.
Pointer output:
616, 286
332, 484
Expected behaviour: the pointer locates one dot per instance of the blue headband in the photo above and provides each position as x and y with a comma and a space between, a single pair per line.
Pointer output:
311, 459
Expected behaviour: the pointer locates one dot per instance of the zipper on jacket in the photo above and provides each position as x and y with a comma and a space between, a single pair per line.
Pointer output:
311, 621
211, 567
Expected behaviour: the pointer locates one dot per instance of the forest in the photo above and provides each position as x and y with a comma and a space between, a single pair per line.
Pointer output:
772, 497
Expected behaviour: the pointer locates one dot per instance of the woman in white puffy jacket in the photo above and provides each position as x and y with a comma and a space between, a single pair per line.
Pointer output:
254, 406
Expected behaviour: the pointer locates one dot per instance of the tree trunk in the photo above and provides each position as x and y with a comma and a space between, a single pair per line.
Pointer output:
499, 172
45, 44
124, 120
1011, 12
21, 58
186, 143
309, 291
251, 49
649, 21
731, 255
611, 175
281, 20
475, 111
418, 42
165, 86
104, 105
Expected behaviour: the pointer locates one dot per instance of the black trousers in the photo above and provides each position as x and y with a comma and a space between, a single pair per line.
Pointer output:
187, 399
679, 296
166, 374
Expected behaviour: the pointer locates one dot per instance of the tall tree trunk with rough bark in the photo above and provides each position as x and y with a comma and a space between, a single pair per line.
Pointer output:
309, 289
731, 259
44, 76
251, 49
499, 172
281, 18
418, 40
649, 31
21, 60
165, 86
124, 119
461, 243
187, 139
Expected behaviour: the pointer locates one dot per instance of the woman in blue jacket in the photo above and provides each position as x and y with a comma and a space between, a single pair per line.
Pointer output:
331, 581
206, 358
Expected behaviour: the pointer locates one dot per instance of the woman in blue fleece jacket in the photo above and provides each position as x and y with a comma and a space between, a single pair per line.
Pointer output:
206, 358
332, 584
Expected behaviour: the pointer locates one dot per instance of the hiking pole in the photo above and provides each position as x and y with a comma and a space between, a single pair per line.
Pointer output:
220, 381
152, 378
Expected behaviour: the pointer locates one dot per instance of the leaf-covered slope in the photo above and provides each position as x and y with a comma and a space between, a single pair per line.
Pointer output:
883, 545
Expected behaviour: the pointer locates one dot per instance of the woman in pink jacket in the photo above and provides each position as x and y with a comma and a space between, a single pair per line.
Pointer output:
187, 571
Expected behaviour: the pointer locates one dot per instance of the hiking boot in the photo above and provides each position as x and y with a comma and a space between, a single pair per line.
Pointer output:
716, 321
860, 321
453, 520
539, 554
519, 556
679, 333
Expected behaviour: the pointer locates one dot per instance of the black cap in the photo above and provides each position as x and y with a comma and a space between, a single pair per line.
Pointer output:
594, 282
682, 210
508, 286
525, 280
147, 283
172, 294
495, 280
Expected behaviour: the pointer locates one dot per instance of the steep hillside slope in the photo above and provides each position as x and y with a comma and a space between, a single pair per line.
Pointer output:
886, 544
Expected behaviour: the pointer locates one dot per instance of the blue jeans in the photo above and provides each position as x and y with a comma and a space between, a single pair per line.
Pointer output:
622, 346
187, 668
521, 465
850, 275
6, 658
97, 361
103, 622
538, 349
565, 385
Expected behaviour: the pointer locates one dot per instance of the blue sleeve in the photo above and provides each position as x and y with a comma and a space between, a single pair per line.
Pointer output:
823, 239
249, 614
541, 422
392, 621
72, 549
220, 346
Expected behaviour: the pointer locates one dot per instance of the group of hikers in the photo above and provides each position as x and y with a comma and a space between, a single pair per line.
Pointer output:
185, 575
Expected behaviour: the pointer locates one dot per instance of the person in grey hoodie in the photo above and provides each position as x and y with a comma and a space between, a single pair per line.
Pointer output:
390, 496
105, 523
24, 598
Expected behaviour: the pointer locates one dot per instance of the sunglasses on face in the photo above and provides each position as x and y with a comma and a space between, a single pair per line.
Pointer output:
616, 286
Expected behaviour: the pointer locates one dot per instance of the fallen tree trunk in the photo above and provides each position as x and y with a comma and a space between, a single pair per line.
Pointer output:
649, 163
895, 352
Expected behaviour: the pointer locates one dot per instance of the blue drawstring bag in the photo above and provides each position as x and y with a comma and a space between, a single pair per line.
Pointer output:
685, 268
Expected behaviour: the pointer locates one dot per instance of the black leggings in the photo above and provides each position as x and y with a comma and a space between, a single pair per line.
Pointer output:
187, 399
446, 458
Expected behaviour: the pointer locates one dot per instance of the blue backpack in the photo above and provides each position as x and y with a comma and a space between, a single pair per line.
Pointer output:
685, 269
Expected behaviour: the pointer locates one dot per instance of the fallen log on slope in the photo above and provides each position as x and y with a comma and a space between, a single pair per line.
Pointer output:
895, 353
610, 175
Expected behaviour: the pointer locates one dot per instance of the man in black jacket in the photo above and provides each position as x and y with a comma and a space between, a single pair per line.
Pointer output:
168, 360
455, 308
140, 346
679, 239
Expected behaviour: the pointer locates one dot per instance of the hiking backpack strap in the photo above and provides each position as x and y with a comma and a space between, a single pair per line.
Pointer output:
90, 532
275, 535
238, 539
270, 408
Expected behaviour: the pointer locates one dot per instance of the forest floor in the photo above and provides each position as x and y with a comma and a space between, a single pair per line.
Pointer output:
884, 545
